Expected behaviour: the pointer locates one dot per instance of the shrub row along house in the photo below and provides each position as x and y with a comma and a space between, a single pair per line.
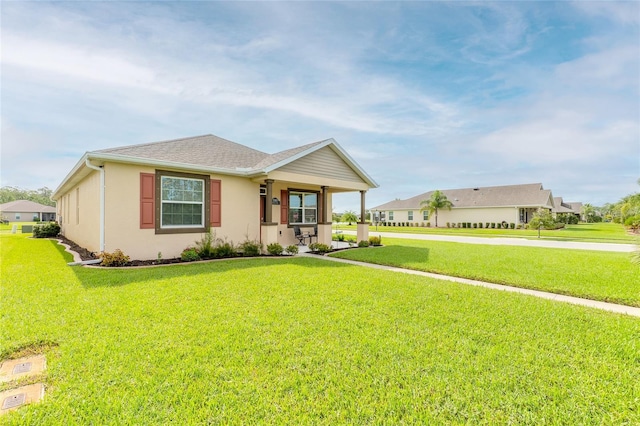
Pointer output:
510, 203
162, 197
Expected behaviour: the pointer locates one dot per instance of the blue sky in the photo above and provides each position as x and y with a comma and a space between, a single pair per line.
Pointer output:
423, 95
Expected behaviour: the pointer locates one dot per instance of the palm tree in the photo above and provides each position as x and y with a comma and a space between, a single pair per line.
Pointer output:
437, 201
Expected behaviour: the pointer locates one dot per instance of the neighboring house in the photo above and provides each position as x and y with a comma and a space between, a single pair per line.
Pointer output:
561, 206
162, 197
26, 211
509, 203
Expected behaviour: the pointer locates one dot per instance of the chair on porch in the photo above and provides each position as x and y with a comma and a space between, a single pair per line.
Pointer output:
299, 235
315, 233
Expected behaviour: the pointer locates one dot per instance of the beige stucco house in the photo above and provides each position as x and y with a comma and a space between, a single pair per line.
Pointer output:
509, 203
162, 197
26, 211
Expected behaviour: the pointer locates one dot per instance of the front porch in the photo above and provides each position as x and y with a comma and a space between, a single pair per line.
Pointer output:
304, 207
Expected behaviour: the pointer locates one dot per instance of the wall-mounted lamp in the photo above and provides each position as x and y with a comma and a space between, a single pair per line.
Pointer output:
275, 201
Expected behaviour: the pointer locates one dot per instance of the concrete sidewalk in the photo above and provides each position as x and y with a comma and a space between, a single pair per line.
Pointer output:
505, 241
611, 307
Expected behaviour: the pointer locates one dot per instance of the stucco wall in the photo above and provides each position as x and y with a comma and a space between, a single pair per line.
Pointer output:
79, 212
240, 215
497, 214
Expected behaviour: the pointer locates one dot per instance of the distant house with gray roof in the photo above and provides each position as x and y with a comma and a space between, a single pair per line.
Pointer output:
509, 203
26, 211
562, 207
161, 197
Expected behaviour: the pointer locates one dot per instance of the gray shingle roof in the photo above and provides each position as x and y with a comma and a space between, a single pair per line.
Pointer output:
532, 194
206, 150
561, 207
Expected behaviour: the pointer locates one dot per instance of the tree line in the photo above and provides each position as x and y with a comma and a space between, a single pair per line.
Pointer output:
41, 195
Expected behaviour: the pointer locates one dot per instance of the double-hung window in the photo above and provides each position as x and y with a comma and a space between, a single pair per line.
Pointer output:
425, 215
410, 215
390, 215
182, 202
303, 208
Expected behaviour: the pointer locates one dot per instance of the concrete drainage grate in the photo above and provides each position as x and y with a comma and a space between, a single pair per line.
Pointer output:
15, 398
14, 369
23, 367
14, 401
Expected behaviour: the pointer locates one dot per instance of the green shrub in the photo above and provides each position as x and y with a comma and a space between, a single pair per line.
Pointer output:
117, 258
206, 246
428, 224
292, 249
632, 222
486, 225
375, 241
339, 237
250, 248
224, 249
512, 225
189, 254
363, 243
274, 249
319, 248
475, 225
493, 225
448, 225
46, 231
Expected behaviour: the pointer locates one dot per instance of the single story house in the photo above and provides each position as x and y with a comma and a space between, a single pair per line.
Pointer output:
26, 211
162, 197
509, 203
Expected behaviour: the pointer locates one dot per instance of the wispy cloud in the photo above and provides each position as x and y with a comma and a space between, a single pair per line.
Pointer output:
423, 94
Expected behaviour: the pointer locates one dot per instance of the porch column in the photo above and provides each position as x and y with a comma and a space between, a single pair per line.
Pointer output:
324, 226
363, 226
268, 208
323, 206
269, 229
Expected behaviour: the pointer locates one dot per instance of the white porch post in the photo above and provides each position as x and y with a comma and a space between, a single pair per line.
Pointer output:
363, 225
324, 226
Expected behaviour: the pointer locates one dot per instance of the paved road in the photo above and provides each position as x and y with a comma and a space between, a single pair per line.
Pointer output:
575, 245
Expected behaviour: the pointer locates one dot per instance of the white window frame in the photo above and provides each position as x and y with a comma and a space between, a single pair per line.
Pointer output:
391, 215
425, 215
303, 208
410, 215
163, 202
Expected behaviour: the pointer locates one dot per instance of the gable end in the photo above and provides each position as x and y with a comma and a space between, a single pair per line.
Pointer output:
324, 163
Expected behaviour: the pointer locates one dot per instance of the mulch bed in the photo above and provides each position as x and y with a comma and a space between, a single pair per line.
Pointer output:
82, 252
88, 255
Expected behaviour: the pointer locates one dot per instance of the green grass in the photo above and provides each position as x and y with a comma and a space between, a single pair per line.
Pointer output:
7, 227
587, 232
305, 341
604, 276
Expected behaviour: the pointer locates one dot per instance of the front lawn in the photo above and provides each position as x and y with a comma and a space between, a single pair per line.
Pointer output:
305, 341
606, 276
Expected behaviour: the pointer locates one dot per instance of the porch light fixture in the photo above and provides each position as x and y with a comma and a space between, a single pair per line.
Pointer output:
275, 201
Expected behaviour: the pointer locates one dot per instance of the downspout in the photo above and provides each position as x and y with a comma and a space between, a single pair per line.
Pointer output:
102, 195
